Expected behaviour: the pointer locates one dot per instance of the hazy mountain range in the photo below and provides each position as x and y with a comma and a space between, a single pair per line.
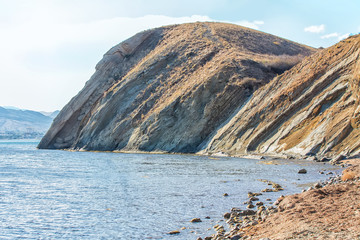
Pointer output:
17, 123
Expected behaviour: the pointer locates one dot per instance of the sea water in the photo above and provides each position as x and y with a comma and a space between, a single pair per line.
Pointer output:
51, 194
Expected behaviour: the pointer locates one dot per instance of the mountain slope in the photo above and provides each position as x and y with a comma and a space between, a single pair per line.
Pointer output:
313, 109
170, 88
22, 123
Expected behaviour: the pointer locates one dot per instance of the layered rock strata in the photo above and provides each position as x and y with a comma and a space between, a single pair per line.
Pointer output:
170, 89
312, 109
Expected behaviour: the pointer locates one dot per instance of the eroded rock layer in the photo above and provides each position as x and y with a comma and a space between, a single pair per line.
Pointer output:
313, 109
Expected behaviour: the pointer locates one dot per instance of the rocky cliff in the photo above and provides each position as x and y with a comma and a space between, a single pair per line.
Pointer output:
313, 109
172, 88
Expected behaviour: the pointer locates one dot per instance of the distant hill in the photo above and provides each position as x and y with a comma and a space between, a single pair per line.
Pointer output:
51, 114
22, 124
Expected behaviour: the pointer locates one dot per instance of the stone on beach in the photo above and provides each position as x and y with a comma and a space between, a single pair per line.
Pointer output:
194, 220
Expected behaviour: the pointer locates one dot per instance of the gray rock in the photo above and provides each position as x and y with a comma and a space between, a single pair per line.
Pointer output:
236, 237
337, 159
254, 199
248, 212
235, 210
324, 159
227, 215
302, 171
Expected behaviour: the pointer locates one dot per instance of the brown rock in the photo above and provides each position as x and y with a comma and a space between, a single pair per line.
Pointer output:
251, 194
195, 220
174, 232
250, 206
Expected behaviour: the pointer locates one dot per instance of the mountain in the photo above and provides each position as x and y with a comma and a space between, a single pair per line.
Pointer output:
16, 123
170, 89
313, 109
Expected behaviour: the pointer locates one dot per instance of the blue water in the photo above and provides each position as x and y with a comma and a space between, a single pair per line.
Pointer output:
48, 194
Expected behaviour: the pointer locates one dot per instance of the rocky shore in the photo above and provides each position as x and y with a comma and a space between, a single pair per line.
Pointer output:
328, 210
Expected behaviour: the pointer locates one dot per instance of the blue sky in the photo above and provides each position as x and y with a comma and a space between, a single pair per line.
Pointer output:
49, 48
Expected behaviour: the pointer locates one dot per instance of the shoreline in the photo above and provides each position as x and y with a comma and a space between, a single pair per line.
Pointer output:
259, 223
252, 155
324, 211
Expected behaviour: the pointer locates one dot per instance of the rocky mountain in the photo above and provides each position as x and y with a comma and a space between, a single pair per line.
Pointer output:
18, 124
171, 88
313, 109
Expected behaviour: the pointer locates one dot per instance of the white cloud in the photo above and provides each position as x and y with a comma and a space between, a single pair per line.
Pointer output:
254, 24
51, 60
331, 35
315, 28
343, 36
38, 69
335, 35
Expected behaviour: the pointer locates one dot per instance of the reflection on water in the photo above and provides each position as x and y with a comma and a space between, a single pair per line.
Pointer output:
83, 195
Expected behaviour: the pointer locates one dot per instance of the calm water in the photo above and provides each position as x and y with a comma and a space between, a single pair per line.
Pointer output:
84, 195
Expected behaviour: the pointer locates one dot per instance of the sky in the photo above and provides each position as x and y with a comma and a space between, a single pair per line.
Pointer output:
49, 48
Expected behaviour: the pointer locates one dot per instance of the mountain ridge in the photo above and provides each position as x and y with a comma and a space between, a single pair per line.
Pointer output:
20, 123
168, 89
314, 109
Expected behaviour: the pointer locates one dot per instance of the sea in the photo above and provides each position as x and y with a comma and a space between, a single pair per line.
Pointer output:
53, 194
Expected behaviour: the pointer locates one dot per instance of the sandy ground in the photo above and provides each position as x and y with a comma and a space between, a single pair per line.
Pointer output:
331, 212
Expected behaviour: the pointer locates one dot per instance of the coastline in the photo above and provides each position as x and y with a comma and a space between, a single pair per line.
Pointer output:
286, 216
326, 211
282, 220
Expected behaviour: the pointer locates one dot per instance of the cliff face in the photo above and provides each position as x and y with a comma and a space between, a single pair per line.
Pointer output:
313, 109
171, 88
